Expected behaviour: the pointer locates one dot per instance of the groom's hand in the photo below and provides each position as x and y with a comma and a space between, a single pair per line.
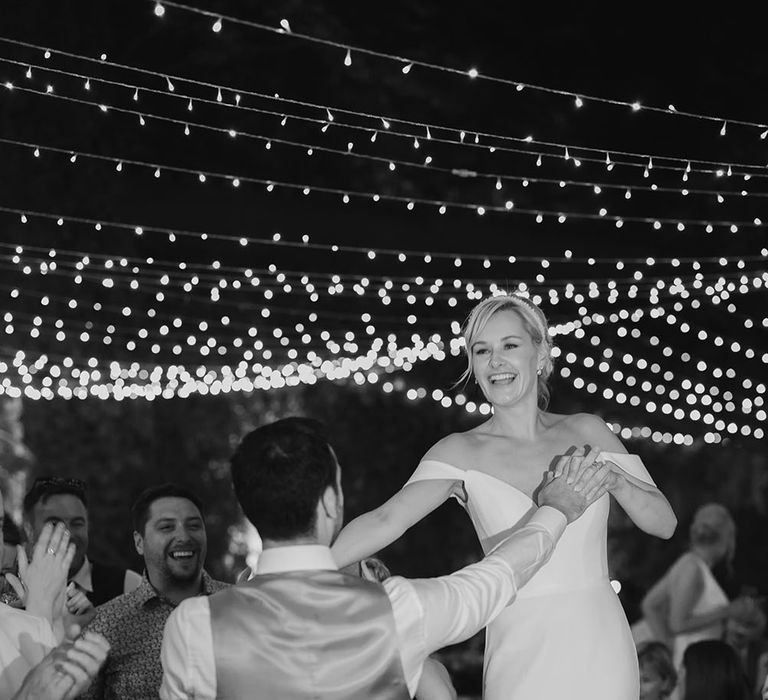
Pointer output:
558, 493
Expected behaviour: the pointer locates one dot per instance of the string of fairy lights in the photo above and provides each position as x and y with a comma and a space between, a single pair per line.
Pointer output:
407, 64
410, 202
327, 116
211, 312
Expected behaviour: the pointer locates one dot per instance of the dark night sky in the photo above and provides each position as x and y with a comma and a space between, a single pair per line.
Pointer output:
712, 63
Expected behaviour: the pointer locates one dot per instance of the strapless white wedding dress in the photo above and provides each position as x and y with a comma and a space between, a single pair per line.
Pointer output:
566, 634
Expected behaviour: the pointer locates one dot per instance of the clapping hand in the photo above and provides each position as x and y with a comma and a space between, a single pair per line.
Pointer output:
68, 670
41, 583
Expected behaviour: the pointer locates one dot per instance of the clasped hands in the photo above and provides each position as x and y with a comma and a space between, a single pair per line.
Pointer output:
577, 481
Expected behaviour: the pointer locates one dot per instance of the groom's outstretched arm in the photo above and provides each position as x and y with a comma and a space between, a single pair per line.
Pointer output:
433, 613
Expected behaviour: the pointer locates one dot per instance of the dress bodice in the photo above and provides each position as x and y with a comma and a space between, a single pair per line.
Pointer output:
497, 509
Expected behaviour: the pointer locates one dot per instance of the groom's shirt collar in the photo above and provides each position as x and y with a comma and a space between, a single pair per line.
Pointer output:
305, 557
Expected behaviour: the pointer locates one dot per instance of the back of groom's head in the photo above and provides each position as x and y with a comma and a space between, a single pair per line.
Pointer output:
280, 471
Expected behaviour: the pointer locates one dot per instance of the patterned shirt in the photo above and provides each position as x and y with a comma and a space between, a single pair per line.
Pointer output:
133, 625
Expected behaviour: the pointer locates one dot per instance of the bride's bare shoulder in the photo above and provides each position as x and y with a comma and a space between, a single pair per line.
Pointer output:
586, 429
452, 447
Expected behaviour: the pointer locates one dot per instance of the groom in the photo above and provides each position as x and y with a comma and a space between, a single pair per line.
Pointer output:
302, 629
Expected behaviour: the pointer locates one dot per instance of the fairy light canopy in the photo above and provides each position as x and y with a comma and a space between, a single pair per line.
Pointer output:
246, 202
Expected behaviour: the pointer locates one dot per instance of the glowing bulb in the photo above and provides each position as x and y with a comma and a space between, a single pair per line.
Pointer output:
579, 102
472, 73
636, 106
722, 130
285, 25
538, 161
217, 26
348, 58
219, 96
159, 10
328, 113
407, 68
170, 84
88, 84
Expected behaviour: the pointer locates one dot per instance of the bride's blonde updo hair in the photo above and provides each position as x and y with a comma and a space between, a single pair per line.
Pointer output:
534, 321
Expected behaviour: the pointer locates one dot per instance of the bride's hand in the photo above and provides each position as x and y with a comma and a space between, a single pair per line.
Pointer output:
574, 468
595, 482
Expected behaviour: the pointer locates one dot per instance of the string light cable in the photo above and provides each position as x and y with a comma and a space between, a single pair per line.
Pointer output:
411, 202
472, 73
428, 131
525, 180
401, 254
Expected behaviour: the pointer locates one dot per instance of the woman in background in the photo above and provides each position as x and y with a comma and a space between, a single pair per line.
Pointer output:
687, 604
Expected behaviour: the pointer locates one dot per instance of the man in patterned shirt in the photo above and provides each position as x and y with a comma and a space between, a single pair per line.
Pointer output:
169, 532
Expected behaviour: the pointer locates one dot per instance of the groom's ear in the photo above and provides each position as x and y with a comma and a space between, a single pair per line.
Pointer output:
329, 502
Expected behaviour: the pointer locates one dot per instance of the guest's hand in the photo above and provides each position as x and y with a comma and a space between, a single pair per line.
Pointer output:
41, 583
68, 670
558, 493
78, 609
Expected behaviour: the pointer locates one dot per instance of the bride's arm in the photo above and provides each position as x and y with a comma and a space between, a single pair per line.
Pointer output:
642, 502
372, 531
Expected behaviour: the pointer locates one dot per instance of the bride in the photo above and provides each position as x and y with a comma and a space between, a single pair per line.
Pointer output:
566, 634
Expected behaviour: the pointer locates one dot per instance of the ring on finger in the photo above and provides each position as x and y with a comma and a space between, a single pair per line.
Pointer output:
51, 550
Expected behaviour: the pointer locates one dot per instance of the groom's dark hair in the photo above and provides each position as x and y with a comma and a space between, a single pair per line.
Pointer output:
279, 472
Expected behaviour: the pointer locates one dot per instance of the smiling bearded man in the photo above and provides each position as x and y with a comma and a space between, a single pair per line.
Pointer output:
169, 533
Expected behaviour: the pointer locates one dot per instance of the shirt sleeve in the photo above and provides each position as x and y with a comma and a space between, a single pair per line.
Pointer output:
189, 670
474, 594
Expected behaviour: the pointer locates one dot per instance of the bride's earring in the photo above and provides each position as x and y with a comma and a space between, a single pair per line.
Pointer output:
538, 372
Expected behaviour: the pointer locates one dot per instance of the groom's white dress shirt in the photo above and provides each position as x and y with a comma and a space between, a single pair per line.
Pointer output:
429, 613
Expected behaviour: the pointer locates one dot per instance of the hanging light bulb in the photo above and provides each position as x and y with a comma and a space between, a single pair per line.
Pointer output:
348, 59
407, 68
217, 26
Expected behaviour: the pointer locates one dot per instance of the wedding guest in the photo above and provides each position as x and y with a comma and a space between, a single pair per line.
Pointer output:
300, 627
169, 533
67, 670
26, 636
687, 604
657, 673
744, 632
711, 671
54, 499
